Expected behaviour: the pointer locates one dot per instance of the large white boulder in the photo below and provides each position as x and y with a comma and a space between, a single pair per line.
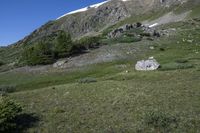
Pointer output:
147, 65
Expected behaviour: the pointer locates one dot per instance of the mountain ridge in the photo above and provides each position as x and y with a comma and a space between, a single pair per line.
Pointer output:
96, 18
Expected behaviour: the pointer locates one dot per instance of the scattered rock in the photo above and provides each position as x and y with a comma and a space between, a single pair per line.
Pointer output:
150, 58
60, 63
150, 39
152, 48
147, 65
146, 31
189, 41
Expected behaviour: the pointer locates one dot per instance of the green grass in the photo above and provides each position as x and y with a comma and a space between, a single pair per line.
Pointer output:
116, 105
122, 39
195, 12
30, 81
122, 99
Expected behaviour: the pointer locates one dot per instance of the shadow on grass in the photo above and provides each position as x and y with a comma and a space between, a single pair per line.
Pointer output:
23, 122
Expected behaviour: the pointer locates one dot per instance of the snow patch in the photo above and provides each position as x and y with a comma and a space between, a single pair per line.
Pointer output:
99, 4
84, 9
153, 25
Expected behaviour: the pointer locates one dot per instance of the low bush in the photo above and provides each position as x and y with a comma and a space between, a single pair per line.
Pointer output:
128, 39
1, 63
181, 61
7, 89
138, 24
87, 80
123, 39
145, 34
175, 66
159, 122
162, 49
9, 110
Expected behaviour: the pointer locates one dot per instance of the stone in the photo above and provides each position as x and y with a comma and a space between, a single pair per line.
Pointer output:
152, 48
189, 41
60, 63
147, 65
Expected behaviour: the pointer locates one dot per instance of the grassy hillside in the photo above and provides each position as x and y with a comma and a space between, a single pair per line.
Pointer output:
119, 104
113, 97
110, 96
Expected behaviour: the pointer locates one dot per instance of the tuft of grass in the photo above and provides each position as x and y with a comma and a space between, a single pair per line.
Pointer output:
122, 39
175, 66
158, 121
1, 63
87, 80
181, 61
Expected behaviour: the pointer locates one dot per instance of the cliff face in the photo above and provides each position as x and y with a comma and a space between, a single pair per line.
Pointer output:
94, 19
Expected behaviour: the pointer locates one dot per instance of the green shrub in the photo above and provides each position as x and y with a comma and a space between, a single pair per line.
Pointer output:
38, 54
7, 89
122, 39
48, 49
159, 122
58, 110
87, 80
89, 42
175, 66
128, 39
62, 45
84, 44
138, 24
162, 49
9, 110
145, 34
1, 63
181, 61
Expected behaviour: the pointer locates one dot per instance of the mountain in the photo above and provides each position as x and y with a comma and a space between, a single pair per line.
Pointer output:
100, 20
94, 18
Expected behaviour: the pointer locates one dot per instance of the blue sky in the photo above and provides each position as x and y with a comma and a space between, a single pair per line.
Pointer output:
19, 18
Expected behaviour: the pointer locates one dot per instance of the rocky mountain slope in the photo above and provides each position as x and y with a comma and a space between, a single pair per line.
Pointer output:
94, 18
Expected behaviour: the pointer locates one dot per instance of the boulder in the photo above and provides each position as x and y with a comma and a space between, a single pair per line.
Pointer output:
147, 65
60, 63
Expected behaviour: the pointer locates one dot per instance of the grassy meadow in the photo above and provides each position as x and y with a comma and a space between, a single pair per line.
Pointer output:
114, 98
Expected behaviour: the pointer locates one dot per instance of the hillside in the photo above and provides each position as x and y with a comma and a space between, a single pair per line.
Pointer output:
97, 89
100, 19
94, 19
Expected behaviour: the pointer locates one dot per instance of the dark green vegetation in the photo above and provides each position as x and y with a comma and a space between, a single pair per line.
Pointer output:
47, 50
7, 89
9, 110
55, 46
12, 117
159, 122
1, 63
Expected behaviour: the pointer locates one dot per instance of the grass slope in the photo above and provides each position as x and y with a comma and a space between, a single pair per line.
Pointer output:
121, 99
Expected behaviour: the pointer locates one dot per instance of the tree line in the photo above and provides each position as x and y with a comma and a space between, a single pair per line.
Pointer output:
48, 50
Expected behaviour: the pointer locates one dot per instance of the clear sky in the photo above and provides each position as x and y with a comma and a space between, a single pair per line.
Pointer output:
19, 18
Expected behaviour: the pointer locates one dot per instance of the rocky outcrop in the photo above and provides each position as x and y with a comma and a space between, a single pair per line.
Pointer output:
147, 65
145, 31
